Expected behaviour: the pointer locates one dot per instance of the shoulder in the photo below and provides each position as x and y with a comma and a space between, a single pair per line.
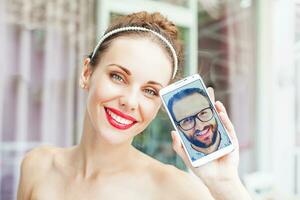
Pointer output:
41, 160
39, 152
175, 183
34, 166
38, 159
36, 163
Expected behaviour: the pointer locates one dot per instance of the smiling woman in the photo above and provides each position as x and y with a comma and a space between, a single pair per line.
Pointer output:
137, 56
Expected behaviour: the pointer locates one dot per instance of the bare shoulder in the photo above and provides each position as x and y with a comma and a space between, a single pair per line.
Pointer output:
176, 183
34, 166
38, 159
41, 152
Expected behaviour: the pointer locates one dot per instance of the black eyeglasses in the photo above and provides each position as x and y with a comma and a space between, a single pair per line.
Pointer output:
189, 123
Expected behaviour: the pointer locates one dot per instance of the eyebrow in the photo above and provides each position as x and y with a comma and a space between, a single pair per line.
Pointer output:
154, 83
121, 67
129, 73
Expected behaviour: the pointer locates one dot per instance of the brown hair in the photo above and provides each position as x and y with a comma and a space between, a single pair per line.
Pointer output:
154, 21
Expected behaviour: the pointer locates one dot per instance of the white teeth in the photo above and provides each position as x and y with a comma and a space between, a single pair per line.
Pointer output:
202, 132
119, 119
124, 121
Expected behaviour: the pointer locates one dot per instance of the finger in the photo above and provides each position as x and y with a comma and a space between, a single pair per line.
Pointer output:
226, 121
220, 107
229, 127
211, 93
178, 148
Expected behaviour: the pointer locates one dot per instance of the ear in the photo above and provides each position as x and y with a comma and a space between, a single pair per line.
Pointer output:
85, 76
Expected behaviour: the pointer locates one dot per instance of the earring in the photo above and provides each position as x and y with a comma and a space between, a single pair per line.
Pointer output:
82, 84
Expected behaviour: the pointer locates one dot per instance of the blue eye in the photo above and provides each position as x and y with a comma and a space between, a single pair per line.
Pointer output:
151, 92
116, 77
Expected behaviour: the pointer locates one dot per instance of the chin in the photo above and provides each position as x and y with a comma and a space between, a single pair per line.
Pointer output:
107, 136
114, 136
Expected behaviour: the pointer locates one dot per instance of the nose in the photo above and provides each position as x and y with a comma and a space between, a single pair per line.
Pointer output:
199, 125
129, 100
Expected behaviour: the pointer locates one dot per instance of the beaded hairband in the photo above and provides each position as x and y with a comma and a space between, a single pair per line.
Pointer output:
137, 28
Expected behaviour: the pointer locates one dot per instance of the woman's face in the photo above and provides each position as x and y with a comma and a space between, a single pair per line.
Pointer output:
123, 89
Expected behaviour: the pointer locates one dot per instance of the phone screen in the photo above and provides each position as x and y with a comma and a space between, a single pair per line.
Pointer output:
196, 120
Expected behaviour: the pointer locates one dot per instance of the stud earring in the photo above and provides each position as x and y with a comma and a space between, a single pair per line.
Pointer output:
82, 84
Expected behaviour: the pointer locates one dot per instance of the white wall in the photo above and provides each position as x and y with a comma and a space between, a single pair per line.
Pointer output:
276, 92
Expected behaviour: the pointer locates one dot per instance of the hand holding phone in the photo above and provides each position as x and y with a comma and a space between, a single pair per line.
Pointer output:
195, 118
218, 168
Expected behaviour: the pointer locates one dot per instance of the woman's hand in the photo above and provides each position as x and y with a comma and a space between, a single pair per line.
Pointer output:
220, 175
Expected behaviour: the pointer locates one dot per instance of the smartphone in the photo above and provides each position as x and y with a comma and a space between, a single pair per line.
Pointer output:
196, 120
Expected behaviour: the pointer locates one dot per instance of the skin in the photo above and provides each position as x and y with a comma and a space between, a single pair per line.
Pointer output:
105, 165
184, 108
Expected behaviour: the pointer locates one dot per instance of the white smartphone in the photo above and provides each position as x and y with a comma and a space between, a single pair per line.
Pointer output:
196, 120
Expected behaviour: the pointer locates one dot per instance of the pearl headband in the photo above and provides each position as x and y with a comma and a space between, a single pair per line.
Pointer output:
138, 28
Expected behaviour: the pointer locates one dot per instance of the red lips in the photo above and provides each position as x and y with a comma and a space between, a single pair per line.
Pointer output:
116, 123
121, 114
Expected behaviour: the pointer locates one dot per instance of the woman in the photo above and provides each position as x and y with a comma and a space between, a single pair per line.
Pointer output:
122, 78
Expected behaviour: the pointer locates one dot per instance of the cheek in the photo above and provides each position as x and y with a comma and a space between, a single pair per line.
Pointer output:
213, 122
149, 108
190, 132
100, 92
104, 91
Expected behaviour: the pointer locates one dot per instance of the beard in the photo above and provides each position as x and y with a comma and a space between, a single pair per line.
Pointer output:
200, 144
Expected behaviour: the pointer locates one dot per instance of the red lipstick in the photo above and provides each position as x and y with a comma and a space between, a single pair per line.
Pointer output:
118, 119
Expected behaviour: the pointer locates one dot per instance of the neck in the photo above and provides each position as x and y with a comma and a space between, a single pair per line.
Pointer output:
210, 149
95, 155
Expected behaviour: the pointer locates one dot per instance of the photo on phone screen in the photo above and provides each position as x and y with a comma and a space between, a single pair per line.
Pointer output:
196, 120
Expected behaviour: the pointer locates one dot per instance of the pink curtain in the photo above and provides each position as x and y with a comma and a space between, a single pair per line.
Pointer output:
43, 44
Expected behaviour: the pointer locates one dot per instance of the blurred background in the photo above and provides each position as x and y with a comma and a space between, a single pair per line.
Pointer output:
248, 50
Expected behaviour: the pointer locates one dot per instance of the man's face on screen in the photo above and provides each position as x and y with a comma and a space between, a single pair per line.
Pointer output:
196, 120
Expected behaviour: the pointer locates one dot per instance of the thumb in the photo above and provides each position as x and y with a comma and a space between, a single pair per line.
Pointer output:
178, 148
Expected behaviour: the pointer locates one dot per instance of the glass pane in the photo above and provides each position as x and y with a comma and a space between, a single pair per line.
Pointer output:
227, 61
156, 141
